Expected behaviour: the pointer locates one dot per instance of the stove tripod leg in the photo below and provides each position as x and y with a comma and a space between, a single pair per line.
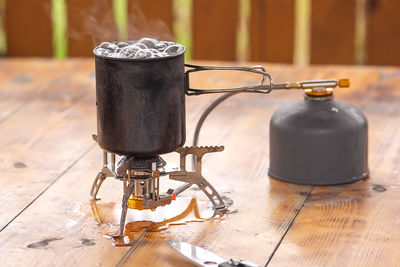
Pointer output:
195, 177
123, 216
128, 190
214, 197
191, 178
96, 185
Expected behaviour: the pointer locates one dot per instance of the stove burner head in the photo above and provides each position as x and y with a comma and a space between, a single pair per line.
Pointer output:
146, 163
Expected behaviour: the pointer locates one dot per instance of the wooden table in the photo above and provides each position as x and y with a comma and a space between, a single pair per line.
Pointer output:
48, 162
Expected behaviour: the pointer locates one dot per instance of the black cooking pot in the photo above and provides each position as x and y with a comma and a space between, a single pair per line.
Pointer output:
141, 102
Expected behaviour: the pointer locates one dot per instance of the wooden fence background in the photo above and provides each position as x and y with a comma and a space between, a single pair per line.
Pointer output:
271, 28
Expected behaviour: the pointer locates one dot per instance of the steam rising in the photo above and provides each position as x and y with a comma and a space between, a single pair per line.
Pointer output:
144, 48
92, 22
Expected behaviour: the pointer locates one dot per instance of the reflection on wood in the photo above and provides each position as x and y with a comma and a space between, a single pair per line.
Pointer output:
355, 225
156, 221
42, 125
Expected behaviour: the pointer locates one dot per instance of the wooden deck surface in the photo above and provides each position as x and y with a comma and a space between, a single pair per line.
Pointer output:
48, 162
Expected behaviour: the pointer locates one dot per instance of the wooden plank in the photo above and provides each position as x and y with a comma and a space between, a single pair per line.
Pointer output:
356, 225
59, 228
75, 234
214, 29
90, 22
383, 27
381, 108
150, 18
46, 136
69, 228
22, 81
28, 28
332, 31
384, 146
272, 31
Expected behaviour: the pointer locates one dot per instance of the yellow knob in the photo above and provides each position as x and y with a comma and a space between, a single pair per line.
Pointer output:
311, 92
134, 203
344, 83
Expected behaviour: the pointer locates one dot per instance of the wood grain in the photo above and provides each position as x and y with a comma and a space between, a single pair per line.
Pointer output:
60, 229
150, 18
90, 22
28, 28
383, 26
355, 225
272, 31
48, 134
22, 81
48, 163
214, 29
332, 31
381, 107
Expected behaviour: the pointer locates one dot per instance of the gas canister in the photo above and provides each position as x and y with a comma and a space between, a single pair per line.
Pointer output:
319, 141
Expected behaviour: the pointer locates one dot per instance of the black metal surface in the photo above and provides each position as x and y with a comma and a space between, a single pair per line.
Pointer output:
146, 163
319, 143
140, 105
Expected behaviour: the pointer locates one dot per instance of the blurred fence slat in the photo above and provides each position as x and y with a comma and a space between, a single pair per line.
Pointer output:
28, 28
332, 31
150, 18
214, 29
89, 23
272, 30
383, 32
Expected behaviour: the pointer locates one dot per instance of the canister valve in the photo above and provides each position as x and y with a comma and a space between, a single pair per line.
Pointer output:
313, 84
315, 87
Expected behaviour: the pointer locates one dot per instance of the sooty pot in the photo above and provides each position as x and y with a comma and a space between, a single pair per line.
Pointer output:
140, 105
141, 102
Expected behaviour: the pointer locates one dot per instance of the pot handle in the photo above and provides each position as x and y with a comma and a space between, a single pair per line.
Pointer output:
257, 88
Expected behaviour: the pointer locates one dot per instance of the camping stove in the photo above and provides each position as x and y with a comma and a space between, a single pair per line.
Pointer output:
141, 179
141, 115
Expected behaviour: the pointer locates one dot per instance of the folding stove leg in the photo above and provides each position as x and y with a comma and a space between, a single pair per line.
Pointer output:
128, 190
123, 216
96, 185
196, 176
101, 176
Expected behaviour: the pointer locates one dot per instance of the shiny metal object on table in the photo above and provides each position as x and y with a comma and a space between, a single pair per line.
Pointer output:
203, 257
141, 115
141, 180
256, 88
